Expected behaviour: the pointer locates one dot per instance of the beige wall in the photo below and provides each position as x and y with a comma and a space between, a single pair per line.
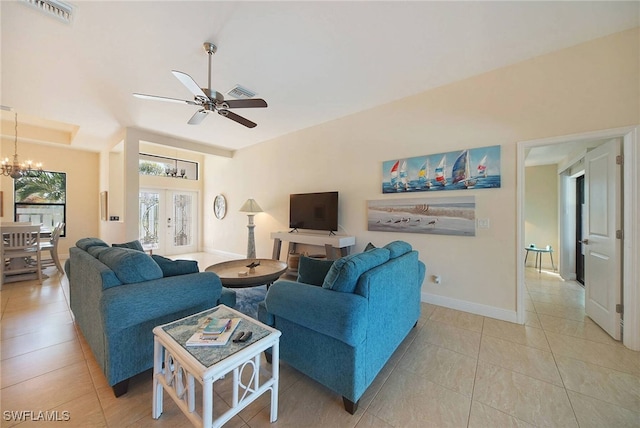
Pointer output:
588, 87
541, 210
82, 169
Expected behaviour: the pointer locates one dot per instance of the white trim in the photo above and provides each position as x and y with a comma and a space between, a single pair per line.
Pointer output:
631, 243
225, 254
521, 153
474, 308
569, 163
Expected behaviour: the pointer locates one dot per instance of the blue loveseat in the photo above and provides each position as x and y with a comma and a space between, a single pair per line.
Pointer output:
119, 294
342, 326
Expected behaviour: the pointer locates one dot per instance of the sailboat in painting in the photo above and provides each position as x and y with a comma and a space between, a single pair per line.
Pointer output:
461, 171
423, 176
404, 183
440, 171
394, 175
482, 167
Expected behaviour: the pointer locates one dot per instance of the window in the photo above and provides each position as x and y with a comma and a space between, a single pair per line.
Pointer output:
167, 167
41, 198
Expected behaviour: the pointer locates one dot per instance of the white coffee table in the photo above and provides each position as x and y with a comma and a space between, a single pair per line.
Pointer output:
177, 367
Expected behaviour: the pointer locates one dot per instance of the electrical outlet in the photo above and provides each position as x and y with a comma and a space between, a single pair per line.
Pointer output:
483, 223
436, 279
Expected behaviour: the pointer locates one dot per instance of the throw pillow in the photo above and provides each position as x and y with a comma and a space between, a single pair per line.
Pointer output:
129, 265
369, 247
398, 248
175, 267
313, 271
85, 243
134, 245
343, 275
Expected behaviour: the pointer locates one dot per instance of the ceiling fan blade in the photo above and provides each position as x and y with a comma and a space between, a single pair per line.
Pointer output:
198, 117
236, 118
249, 103
191, 84
157, 98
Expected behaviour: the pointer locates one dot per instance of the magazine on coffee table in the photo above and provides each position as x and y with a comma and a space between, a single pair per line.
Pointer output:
200, 338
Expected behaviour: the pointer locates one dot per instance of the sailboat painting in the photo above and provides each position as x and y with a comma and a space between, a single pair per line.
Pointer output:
434, 215
423, 176
466, 169
441, 179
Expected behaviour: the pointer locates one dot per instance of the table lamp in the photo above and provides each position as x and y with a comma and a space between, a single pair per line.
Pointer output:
251, 207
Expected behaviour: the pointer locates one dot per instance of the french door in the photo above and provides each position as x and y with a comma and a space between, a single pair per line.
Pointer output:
168, 221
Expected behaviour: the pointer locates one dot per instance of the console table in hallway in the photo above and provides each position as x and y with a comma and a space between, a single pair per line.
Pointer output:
331, 243
539, 252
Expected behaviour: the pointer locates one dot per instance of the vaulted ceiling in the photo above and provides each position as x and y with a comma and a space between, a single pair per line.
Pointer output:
311, 61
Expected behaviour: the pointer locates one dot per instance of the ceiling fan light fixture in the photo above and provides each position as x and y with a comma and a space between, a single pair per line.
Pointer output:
240, 92
212, 100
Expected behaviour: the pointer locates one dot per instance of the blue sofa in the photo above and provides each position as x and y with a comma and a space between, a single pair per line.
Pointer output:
342, 326
119, 294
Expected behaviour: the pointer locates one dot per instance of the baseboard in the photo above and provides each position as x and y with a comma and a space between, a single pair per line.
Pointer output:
474, 308
225, 253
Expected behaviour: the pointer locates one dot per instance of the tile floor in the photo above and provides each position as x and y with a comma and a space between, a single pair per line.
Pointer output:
454, 370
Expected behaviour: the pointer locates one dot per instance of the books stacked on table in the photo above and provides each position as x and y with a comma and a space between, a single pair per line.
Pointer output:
215, 332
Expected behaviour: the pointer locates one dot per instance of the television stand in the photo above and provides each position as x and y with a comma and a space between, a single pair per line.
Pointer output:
332, 244
295, 230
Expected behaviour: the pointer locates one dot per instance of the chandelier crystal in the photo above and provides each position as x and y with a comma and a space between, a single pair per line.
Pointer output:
16, 169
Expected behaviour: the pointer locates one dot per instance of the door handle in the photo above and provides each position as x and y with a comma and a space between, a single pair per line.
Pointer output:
584, 241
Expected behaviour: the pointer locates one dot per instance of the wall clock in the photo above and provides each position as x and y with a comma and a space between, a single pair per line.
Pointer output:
220, 206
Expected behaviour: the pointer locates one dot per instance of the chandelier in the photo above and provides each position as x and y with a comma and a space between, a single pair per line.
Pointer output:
17, 169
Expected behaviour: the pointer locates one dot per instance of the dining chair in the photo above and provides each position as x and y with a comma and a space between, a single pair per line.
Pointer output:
20, 245
51, 245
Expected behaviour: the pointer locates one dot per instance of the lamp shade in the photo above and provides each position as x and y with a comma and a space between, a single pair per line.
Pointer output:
251, 206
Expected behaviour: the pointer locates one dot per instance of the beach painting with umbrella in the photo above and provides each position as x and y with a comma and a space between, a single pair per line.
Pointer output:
466, 169
436, 216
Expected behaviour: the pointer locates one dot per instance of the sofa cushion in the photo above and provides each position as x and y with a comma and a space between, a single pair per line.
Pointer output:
134, 245
85, 243
313, 271
343, 275
129, 265
96, 250
370, 247
398, 248
175, 267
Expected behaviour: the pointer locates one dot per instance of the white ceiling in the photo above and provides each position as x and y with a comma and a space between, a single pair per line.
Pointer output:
311, 61
557, 154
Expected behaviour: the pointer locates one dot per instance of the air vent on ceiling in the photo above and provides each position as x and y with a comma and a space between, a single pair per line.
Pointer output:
62, 11
240, 92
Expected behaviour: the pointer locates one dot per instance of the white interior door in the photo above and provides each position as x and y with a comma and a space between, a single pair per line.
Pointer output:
168, 221
602, 249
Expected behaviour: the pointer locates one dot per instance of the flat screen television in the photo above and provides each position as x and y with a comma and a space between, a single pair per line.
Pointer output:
314, 211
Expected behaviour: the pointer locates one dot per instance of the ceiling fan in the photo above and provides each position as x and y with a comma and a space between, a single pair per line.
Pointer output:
208, 99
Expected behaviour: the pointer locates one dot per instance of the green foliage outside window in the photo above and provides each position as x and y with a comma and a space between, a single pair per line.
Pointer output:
41, 198
151, 168
43, 188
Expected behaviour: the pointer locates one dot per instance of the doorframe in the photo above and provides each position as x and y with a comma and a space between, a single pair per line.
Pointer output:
631, 238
